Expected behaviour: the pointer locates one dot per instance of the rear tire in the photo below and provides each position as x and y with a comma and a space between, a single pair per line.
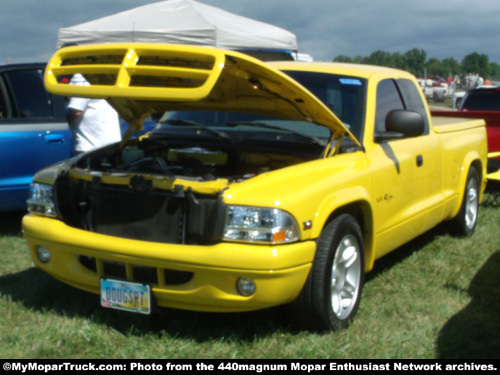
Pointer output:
465, 222
331, 295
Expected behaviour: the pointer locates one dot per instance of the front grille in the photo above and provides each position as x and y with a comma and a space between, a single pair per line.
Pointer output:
131, 272
151, 216
112, 269
141, 212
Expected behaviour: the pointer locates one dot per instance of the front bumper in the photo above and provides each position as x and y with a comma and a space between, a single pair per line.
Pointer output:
208, 274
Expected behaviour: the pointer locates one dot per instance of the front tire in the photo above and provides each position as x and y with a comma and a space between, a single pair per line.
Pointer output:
330, 298
466, 220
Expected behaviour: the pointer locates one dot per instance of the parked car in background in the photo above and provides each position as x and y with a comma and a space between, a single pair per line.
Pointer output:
481, 103
482, 98
33, 131
434, 91
267, 54
457, 98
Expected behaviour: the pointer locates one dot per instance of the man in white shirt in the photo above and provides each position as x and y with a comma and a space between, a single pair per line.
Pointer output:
93, 121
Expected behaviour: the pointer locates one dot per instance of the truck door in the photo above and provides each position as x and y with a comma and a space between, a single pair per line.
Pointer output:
398, 177
33, 133
432, 154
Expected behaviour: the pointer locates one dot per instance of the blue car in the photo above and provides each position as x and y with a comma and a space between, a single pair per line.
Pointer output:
33, 131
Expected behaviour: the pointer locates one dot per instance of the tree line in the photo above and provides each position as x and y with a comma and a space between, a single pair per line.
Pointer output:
416, 62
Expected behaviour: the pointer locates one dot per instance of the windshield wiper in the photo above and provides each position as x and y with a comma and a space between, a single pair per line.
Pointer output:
180, 122
263, 125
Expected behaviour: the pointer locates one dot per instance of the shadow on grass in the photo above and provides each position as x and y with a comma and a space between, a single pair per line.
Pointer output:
405, 251
475, 331
10, 223
39, 291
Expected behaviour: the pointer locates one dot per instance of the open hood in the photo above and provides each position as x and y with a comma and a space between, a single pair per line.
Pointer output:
140, 79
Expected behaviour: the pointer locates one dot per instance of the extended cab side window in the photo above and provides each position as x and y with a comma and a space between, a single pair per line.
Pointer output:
29, 97
413, 100
388, 98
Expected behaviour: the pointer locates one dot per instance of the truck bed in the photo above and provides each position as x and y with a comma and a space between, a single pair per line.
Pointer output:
491, 118
449, 124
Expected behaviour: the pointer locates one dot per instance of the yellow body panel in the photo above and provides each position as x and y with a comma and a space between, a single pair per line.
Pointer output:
279, 272
394, 199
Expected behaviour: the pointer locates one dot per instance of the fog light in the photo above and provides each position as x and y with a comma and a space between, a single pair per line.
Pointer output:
43, 254
246, 287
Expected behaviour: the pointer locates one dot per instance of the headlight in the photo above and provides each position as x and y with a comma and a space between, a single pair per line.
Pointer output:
256, 224
41, 200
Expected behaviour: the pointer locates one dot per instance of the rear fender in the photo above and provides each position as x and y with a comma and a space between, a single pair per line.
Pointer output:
472, 159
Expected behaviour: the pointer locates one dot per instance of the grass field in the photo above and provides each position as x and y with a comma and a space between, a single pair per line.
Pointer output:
437, 297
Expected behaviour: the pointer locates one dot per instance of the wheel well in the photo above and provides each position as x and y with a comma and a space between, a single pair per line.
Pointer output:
362, 212
477, 164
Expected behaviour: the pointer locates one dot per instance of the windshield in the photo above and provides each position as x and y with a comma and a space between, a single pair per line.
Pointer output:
242, 121
343, 95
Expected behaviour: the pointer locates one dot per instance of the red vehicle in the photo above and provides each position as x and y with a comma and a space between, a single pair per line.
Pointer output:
483, 103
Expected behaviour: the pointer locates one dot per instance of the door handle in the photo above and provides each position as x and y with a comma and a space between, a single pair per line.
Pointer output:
54, 138
420, 160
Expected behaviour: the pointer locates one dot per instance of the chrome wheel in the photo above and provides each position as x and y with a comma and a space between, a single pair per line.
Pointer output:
465, 222
346, 277
330, 297
471, 203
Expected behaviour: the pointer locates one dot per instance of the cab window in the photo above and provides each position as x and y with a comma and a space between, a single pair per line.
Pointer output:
388, 98
413, 100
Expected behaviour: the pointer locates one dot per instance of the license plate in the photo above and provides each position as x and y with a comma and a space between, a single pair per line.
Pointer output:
126, 295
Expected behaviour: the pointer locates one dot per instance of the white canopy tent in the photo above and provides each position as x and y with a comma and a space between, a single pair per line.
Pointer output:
180, 22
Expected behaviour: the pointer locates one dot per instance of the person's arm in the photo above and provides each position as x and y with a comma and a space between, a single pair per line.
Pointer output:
73, 116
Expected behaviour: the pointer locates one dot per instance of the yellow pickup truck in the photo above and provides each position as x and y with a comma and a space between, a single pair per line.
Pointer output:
263, 184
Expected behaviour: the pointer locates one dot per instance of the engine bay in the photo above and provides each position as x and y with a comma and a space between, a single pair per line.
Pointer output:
199, 162
145, 190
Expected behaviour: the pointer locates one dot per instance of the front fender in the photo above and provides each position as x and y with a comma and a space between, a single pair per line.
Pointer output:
356, 201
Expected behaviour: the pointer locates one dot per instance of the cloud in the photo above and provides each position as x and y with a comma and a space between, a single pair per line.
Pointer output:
324, 28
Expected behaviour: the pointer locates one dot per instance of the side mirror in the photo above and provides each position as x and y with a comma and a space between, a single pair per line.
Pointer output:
408, 123
402, 123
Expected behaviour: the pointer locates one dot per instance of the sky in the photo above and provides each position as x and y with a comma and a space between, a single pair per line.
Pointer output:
324, 28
